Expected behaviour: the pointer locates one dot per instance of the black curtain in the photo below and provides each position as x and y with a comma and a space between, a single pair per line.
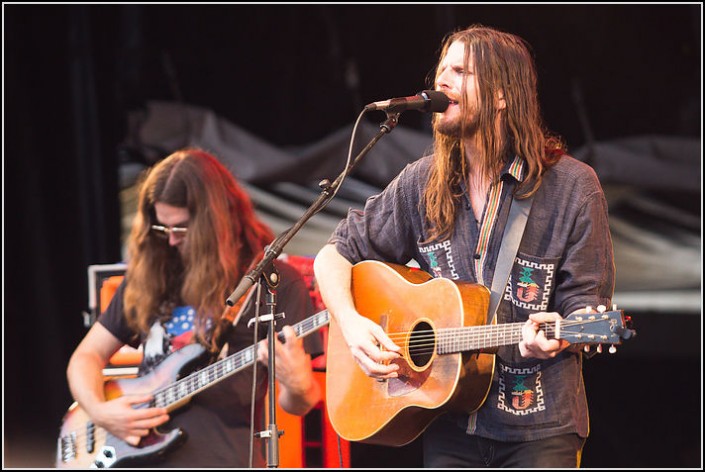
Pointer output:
72, 72
61, 200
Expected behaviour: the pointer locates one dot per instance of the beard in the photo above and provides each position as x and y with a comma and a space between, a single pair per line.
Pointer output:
457, 127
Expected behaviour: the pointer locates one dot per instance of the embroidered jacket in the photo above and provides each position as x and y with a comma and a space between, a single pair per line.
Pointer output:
564, 263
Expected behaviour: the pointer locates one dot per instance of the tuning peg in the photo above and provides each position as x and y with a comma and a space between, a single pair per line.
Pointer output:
599, 349
614, 307
586, 348
601, 308
613, 349
588, 309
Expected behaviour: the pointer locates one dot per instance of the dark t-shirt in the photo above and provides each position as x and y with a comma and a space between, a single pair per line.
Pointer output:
217, 420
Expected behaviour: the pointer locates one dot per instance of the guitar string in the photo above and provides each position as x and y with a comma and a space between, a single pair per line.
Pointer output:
485, 330
419, 345
191, 381
502, 326
241, 359
80, 439
421, 341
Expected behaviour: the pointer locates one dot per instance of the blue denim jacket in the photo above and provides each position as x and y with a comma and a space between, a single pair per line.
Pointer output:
564, 263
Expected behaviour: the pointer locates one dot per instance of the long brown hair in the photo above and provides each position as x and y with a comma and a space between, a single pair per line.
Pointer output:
224, 236
503, 65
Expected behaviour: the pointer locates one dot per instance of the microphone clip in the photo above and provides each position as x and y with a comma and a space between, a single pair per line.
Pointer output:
266, 318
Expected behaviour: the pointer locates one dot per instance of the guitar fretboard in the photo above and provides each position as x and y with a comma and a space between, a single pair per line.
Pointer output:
475, 338
208, 376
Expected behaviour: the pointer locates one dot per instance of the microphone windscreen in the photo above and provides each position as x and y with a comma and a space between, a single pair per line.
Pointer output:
438, 100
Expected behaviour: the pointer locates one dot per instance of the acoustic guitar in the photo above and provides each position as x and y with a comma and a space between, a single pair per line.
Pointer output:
447, 352
172, 382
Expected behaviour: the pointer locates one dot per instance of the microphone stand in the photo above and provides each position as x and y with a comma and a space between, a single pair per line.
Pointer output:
272, 278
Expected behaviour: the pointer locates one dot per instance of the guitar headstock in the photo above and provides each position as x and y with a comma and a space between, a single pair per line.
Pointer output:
597, 327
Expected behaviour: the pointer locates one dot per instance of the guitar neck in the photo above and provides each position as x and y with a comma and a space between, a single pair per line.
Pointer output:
184, 388
477, 338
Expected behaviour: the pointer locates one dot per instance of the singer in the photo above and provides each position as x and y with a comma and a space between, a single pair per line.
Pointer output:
193, 238
448, 212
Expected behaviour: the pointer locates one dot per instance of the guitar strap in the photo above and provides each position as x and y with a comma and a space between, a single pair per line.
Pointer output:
513, 231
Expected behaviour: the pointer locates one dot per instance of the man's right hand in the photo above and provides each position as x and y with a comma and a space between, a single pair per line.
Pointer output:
369, 345
126, 422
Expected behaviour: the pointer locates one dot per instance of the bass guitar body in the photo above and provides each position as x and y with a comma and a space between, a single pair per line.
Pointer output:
172, 383
82, 444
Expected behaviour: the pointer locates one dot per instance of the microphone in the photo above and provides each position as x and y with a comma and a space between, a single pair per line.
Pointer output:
426, 100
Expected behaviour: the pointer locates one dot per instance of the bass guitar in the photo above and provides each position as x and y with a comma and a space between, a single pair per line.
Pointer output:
173, 382
447, 352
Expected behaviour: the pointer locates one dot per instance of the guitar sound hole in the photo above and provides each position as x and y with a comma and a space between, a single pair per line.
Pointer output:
422, 344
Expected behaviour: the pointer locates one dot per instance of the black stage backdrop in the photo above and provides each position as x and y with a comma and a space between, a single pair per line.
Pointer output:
291, 74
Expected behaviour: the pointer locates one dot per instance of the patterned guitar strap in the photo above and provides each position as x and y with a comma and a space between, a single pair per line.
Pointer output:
513, 231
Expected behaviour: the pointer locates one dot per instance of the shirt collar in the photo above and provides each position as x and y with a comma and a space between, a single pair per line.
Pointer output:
516, 168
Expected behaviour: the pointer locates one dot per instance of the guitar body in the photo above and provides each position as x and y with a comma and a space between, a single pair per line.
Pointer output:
82, 444
172, 384
410, 303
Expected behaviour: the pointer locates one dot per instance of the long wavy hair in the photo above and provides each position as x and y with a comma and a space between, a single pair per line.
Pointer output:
224, 237
503, 64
